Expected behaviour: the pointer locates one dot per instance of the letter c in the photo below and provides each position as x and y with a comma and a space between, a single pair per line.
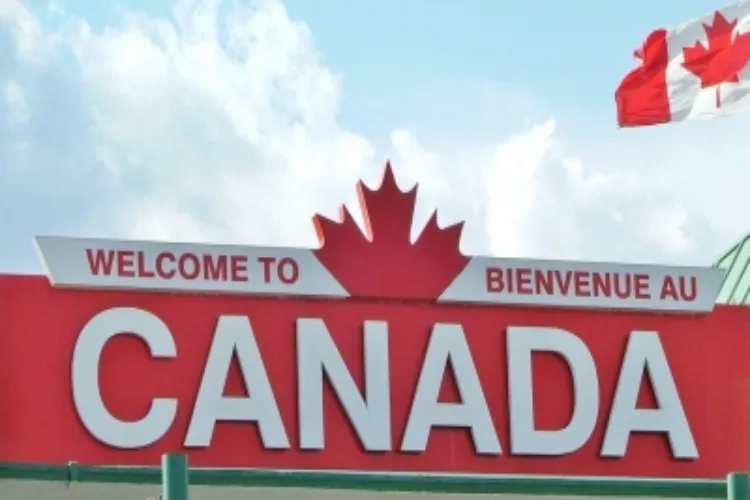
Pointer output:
87, 396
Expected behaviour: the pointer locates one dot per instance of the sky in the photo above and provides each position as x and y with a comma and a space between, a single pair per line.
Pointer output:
236, 121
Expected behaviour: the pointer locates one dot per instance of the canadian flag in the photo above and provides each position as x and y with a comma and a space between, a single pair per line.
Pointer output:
697, 70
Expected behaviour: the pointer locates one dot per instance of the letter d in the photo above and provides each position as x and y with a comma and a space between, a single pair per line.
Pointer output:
525, 438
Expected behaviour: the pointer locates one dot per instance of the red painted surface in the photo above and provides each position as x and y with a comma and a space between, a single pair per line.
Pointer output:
39, 325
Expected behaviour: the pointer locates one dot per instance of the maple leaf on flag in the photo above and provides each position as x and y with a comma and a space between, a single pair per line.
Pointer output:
383, 262
725, 56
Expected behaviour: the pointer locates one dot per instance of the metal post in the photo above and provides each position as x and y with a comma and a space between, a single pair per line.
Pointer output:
738, 486
174, 476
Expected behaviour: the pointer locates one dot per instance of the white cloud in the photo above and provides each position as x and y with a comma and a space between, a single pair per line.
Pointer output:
223, 125
509, 181
17, 107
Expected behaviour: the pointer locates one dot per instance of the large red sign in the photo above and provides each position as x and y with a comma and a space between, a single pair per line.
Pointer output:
371, 353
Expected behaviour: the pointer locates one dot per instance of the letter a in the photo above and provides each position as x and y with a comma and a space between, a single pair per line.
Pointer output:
645, 354
448, 346
234, 334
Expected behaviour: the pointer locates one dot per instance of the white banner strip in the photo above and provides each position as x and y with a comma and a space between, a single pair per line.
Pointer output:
97, 263
586, 285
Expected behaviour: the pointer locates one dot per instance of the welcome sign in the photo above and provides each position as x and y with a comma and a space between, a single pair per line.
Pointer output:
371, 353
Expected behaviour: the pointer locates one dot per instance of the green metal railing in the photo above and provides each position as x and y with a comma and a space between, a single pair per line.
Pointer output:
175, 477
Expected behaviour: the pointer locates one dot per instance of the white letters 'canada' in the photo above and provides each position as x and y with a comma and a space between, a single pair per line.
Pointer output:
87, 396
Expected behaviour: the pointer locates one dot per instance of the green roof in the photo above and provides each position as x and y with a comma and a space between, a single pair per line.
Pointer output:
736, 263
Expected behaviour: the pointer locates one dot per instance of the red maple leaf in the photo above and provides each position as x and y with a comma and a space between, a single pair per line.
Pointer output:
722, 60
383, 262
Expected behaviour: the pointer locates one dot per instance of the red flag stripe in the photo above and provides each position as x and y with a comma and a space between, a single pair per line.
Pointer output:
642, 97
